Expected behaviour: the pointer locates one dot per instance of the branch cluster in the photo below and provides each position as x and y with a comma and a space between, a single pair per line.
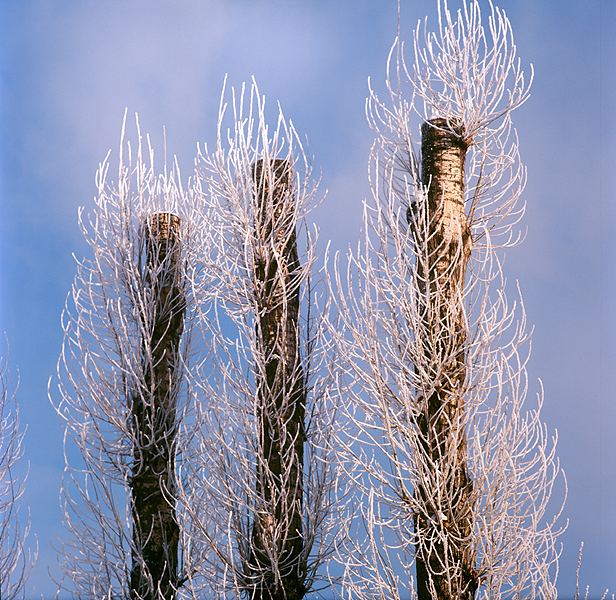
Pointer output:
238, 444
265, 478
452, 466
16, 558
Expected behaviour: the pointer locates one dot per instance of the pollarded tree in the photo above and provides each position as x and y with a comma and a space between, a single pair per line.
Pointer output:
122, 388
15, 557
454, 472
261, 505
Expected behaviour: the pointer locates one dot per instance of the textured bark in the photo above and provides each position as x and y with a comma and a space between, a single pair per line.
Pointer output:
281, 393
443, 337
155, 528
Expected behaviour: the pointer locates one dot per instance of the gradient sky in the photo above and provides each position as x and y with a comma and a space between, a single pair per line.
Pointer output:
69, 68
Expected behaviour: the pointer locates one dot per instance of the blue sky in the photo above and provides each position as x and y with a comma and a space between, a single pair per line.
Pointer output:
68, 69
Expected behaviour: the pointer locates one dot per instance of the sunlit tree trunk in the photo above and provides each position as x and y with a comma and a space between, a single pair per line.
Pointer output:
444, 558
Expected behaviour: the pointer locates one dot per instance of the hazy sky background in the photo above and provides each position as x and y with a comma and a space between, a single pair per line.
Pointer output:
69, 68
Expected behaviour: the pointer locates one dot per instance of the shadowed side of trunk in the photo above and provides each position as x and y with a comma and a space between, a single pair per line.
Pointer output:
276, 569
153, 487
445, 564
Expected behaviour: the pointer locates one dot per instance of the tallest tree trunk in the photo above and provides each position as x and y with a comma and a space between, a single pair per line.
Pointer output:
444, 559
277, 566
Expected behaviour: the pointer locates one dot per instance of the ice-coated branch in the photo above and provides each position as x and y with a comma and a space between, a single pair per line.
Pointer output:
262, 511
15, 557
452, 466
586, 594
121, 384
467, 72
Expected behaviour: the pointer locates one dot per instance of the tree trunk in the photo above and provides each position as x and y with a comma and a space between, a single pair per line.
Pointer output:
153, 487
277, 566
445, 563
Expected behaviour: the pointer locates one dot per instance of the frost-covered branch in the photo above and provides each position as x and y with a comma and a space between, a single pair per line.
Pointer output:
467, 70
586, 594
262, 508
15, 556
121, 383
452, 465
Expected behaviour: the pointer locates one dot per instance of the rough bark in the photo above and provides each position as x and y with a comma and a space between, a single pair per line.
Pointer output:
153, 487
447, 565
277, 566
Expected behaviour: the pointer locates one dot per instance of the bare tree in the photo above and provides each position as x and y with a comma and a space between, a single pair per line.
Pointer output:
262, 500
122, 388
15, 557
453, 471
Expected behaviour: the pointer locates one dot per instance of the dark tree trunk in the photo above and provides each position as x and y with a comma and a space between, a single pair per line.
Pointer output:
443, 335
276, 569
153, 487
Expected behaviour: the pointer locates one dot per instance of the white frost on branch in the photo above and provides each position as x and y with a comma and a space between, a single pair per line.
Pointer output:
256, 188
465, 71
16, 558
106, 363
406, 325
